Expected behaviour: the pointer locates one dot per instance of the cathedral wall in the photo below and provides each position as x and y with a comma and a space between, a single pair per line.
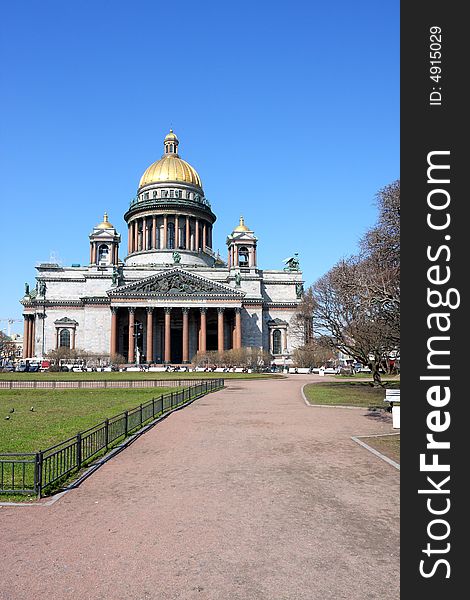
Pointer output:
280, 292
94, 330
295, 337
252, 326
252, 287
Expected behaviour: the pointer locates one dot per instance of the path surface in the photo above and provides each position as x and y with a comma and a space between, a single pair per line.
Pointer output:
247, 494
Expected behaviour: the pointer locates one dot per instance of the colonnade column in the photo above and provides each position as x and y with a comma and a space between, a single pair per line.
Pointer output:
131, 353
154, 232
204, 237
220, 329
149, 334
167, 356
165, 229
112, 346
185, 334
188, 231
25, 336
203, 341
177, 232
145, 234
196, 236
238, 328
135, 237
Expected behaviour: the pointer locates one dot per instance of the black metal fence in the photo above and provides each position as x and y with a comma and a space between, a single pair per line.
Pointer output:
35, 472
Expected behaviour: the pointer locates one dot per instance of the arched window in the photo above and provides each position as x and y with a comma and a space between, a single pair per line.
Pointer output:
103, 253
277, 348
64, 338
171, 236
243, 256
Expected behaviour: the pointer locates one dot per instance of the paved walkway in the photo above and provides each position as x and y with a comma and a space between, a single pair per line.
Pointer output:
247, 494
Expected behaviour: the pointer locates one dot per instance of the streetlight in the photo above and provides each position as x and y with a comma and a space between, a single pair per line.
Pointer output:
138, 327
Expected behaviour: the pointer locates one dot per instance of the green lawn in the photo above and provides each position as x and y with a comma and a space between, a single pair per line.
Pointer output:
348, 393
386, 444
60, 414
132, 375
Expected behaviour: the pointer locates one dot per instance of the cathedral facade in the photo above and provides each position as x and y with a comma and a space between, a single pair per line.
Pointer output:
172, 295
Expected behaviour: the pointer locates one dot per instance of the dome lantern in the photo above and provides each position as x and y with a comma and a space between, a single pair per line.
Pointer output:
170, 143
241, 226
105, 224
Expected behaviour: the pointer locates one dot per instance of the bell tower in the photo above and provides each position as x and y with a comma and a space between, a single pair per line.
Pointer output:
104, 244
242, 248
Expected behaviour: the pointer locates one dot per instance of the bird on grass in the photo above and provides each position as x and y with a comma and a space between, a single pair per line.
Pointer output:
32, 409
12, 410
7, 418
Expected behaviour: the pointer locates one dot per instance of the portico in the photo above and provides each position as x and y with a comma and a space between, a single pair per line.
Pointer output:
171, 316
173, 333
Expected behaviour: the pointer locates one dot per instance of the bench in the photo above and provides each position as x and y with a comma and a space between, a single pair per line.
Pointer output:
393, 398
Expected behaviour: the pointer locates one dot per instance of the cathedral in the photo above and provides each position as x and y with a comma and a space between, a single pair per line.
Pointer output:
171, 296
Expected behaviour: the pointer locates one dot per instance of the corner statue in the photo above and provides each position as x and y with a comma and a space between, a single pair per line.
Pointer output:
176, 257
292, 263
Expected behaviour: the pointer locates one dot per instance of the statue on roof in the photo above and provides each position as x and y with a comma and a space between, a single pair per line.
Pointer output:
292, 263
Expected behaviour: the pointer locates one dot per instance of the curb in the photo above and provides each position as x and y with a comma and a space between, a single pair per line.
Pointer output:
374, 451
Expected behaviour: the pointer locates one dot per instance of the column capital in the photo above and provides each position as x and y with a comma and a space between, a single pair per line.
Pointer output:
167, 309
114, 310
131, 309
185, 309
220, 309
238, 309
203, 309
150, 309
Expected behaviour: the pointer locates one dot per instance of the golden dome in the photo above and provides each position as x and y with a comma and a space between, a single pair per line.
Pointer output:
105, 224
241, 226
170, 168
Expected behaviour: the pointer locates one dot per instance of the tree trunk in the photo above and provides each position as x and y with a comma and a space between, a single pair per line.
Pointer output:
374, 366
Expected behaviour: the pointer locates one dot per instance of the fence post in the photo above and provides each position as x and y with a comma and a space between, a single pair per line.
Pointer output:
171, 400
38, 474
126, 423
79, 450
106, 425
153, 407
141, 415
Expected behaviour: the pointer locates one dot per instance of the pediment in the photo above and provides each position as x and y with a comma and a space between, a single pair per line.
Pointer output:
175, 283
104, 234
276, 322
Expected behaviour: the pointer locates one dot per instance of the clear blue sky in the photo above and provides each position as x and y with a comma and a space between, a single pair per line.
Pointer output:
288, 110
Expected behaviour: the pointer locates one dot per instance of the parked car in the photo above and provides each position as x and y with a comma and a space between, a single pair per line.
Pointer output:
27, 366
8, 367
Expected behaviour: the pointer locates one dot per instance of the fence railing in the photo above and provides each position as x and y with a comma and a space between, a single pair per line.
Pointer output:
96, 383
35, 472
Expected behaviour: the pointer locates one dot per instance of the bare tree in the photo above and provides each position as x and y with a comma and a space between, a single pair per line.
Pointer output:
355, 307
380, 253
347, 320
